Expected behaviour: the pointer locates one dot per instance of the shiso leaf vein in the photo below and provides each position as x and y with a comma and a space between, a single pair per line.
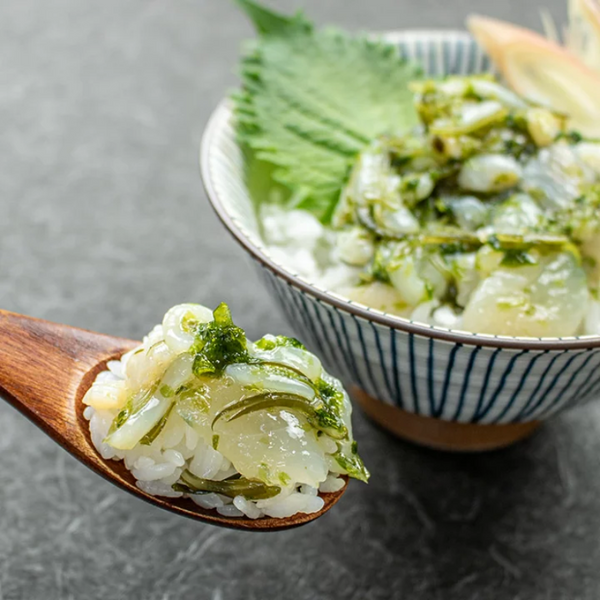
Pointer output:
311, 100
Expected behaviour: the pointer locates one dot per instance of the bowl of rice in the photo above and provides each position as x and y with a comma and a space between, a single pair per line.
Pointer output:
428, 381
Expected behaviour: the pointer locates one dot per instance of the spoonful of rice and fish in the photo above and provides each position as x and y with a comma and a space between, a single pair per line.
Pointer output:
196, 419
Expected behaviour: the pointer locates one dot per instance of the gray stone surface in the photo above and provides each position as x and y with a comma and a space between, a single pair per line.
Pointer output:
104, 225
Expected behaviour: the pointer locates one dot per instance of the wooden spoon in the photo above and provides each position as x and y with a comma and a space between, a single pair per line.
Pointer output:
45, 370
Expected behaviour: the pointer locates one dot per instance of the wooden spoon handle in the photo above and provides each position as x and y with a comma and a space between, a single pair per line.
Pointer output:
42, 365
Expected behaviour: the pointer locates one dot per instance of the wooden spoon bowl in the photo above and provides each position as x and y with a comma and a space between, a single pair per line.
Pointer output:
46, 369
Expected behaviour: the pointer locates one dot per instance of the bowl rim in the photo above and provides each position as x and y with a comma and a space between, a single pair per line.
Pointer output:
222, 116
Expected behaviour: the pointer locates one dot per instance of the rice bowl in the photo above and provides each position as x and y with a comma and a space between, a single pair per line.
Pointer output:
406, 366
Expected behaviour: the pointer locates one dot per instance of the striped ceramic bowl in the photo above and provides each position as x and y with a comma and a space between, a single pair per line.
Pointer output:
443, 388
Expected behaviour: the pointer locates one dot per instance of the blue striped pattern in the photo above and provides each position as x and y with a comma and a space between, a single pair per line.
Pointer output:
454, 382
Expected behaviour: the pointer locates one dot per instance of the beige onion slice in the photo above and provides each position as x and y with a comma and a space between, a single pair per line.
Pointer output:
542, 71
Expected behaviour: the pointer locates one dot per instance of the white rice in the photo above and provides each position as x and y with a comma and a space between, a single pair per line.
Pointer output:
158, 466
307, 249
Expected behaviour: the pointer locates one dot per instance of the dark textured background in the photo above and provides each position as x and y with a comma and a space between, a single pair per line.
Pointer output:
104, 225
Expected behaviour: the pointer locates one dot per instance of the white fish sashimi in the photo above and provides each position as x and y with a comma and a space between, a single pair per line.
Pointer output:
545, 300
258, 379
139, 424
297, 358
177, 333
288, 449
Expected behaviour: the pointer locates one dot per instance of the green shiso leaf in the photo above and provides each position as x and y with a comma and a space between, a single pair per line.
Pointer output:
268, 22
312, 100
